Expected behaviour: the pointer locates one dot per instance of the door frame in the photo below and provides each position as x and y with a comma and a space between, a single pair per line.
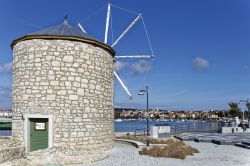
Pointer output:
27, 118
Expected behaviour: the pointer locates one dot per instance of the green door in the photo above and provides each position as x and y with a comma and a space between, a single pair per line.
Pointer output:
38, 134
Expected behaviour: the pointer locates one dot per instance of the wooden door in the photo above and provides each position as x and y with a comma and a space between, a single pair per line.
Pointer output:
38, 133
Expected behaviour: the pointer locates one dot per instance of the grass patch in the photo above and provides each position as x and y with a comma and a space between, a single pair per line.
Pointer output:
174, 149
180, 152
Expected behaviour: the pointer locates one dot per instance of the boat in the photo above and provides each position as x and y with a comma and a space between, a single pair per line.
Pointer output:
118, 120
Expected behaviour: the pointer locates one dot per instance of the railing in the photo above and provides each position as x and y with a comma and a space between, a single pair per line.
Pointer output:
5, 125
197, 127
137, 130
185, 128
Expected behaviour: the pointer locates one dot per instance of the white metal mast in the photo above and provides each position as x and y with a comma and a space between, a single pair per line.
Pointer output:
107, 24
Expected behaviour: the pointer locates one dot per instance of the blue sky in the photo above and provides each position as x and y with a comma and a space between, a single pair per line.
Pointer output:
201, 47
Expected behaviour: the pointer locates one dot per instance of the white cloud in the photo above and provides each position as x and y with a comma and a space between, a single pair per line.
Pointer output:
201, 63
5, 68
140, 67
120, 65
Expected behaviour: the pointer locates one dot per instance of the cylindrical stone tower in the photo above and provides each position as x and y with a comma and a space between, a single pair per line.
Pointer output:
62, 90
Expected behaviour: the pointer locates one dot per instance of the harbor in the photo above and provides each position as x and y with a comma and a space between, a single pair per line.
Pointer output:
124, 83
224, 149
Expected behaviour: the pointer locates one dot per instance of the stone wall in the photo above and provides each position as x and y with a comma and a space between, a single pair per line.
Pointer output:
11, 153
73, 81
10, 150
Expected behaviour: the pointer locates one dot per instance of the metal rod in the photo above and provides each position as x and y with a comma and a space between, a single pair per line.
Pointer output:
123, 85
248, 109
135, 56
107, 24
127, 29
147, 113
82, 29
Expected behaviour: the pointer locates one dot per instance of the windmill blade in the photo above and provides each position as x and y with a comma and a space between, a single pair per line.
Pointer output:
126, 30
123, 85
82, 29
135, 56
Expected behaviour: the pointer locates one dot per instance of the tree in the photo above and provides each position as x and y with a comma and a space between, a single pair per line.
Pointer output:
234, 109
157, 116
226, 113
221, 114
248, 108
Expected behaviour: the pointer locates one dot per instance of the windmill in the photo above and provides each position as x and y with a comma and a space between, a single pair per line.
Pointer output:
126, 30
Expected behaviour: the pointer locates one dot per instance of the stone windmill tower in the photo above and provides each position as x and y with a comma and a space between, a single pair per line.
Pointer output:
62, 90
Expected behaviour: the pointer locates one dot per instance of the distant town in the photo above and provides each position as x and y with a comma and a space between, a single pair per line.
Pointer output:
129, 113
5, 113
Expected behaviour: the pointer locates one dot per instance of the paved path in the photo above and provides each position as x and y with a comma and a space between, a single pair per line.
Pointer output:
210, 155
233, 137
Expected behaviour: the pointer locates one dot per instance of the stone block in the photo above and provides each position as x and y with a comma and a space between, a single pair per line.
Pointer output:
73, 97
68, 59
54, 83
80, 92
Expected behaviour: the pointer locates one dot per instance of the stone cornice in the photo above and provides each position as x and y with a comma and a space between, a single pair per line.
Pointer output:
72, 38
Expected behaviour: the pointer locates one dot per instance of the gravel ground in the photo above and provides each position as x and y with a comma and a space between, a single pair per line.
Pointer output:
210, 155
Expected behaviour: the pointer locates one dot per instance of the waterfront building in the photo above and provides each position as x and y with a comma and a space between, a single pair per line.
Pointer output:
5, 113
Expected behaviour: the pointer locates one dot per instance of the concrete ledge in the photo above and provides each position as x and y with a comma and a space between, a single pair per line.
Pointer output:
202, 140
136, 144
223, 142
183, 139
177, 137
247, 143
242, 145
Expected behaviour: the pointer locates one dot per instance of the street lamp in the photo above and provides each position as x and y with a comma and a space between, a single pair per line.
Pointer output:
142, 92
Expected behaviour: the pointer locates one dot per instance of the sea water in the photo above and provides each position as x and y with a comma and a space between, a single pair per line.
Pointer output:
132, 125
5, 132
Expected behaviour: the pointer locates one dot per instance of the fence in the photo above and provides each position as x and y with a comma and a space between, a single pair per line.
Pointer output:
139, 132
196, 127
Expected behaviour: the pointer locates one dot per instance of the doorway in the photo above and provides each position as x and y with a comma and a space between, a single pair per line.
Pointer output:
39, 131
